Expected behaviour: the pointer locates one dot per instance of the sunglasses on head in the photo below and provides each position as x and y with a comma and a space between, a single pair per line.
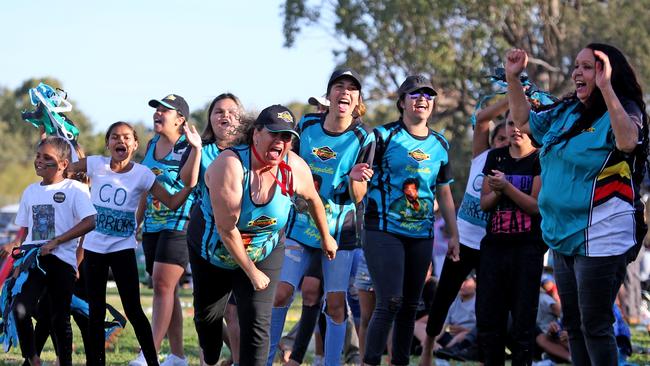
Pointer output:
417, 94
283, 136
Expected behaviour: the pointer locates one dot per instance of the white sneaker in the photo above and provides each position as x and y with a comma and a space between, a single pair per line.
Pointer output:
139, 361
173, 360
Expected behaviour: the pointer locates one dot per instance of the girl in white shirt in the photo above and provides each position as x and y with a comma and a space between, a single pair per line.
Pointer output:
53, 214
118, 184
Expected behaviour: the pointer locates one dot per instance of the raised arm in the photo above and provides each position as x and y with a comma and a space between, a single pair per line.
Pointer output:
516, 61
304, 187
172, 201
625, 127
481, 138
192, 166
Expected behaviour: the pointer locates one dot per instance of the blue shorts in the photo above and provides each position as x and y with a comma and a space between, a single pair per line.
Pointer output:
336, 272
297, 259
362, 280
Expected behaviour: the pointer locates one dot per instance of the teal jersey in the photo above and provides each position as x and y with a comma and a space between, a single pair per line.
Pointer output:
157, 216
261, 225
202, 232
407, 170
587, 195
330, 157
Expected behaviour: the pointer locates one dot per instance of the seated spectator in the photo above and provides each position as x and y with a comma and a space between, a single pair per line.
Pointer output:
461, 318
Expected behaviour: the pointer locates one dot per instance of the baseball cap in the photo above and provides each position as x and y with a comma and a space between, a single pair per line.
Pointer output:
173, 101
315, 101
344, 72
413, 83
277, 118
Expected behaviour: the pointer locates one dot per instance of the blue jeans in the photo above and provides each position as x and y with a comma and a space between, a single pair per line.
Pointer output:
588, 288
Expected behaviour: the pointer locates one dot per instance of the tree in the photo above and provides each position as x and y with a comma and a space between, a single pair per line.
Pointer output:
456, 43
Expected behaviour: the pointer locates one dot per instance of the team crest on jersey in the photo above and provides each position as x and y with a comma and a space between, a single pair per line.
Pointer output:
418, 155
324, 153
262, 222
285, 116
156, 171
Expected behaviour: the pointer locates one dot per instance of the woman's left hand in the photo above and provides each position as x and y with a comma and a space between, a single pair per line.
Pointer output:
329, 246
453, 249
497, 180
361, 172
192, 136
603, 70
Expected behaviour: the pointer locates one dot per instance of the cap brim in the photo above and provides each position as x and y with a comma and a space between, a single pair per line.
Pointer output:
155, 103
284, 130
433, 91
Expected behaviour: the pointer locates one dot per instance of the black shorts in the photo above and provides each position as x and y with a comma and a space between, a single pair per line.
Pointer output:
165, 246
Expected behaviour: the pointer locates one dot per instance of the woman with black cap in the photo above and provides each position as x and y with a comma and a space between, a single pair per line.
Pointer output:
251, 187
163, 232
337, 146
411, 166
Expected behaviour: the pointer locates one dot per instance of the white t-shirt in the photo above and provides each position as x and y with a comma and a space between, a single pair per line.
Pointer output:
51, 210
471, 219
116, 197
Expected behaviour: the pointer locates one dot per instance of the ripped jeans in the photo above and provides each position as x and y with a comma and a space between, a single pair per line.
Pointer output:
398, 267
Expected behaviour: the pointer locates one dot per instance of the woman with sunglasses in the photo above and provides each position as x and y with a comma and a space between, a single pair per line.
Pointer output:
221, 132
164, 240
337, 146
251, 188
411, 166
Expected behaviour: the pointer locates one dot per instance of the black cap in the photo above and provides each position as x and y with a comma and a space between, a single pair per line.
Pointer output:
277, 118
413, 83
343, 73
173, 101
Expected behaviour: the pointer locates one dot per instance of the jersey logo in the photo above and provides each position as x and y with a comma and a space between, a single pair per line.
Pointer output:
418, 155
156, 171
324, 153
262, 222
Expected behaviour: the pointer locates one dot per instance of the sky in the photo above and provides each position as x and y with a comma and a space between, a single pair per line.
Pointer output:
112, 57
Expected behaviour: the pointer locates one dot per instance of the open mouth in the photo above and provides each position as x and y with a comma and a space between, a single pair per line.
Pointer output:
157, 121
274, 152
421, 107
121, 150
344, 105
580, 86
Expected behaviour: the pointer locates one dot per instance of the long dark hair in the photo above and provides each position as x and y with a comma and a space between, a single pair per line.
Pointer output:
626, 87
207, 135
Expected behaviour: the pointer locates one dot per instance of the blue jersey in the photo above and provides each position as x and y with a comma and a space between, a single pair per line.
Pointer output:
202, 232
157, 216
407, 169
261, 225
330, 157
587, 195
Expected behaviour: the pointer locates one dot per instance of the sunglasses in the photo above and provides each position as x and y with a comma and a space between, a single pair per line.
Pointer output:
282, 136
416, 95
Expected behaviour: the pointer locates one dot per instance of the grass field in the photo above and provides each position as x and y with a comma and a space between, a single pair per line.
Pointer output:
126, 348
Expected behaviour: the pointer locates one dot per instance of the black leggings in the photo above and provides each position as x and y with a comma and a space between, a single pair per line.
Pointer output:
125, 273
212, 287
452, 277
398, 267
54, 290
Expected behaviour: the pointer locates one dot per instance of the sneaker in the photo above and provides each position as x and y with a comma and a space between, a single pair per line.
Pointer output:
139, 361
173, 360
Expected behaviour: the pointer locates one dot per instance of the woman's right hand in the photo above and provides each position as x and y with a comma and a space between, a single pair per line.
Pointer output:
192, 136
6, 249
516, 62
259, 280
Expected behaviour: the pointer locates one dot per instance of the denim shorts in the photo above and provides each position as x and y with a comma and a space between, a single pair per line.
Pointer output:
336, 272
297, 258
362, 280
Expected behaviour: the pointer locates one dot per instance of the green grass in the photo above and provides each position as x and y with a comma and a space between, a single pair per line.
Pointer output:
127, 348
